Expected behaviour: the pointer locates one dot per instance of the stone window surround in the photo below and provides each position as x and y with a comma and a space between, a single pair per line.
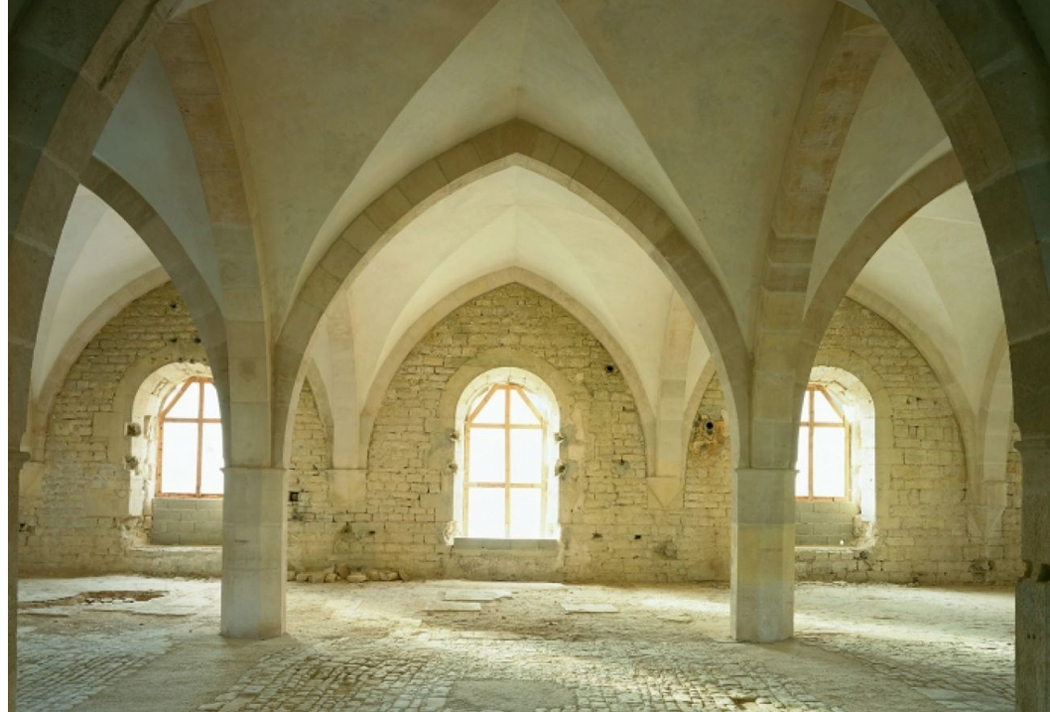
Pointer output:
531, 382
500, 364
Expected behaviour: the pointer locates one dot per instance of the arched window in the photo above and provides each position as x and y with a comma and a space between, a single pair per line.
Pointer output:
506, 486
823, 448
189, 444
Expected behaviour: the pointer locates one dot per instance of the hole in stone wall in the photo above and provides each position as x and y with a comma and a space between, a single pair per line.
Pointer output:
293, 496
610, 369
637, 537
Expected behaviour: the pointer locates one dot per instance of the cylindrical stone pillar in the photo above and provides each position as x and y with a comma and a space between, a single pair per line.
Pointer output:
1032, 612
762, 578
253, 552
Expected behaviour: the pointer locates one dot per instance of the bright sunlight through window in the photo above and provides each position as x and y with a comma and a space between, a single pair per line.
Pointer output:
823, 448
190, 444
505, 483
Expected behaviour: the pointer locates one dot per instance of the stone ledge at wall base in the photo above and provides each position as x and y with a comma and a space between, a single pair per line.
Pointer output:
203, 561
506, 560
343, 573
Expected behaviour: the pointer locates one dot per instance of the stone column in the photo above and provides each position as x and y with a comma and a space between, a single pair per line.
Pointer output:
762, 598
1033, 590
253, 552
15, 460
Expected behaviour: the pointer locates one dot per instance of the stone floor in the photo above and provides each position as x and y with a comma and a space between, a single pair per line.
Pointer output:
91, 645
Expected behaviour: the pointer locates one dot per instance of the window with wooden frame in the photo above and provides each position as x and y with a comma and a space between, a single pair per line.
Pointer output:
189, 445
505, 478
823, 448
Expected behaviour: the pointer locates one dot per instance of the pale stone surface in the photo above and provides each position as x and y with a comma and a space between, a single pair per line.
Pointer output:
589, 608
893, 647
453, 607
481, 595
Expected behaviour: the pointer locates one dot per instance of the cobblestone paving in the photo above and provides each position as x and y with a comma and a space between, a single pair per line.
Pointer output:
436, 672
56, 672
966, 676
371, 649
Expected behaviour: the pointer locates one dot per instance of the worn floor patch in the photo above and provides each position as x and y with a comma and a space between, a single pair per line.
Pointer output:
452, 607
508, 696
590, 608
676, 618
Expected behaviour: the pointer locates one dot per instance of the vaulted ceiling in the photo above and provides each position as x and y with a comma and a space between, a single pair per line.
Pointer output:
333, 101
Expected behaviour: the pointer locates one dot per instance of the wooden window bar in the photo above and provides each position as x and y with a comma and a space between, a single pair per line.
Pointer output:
508, 427
200, 420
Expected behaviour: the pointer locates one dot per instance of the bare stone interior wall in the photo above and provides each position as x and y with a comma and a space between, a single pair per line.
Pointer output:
75, 514
611, 531
317, 525
922, 530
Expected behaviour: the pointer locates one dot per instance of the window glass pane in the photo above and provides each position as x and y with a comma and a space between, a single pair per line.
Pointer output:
805, 408
486, 509
829, 462
802, 464
211, 401
188, 404
494, 410
520, 412
823, 411
525, 513
526, 455
211, 459
179, 459
486, 461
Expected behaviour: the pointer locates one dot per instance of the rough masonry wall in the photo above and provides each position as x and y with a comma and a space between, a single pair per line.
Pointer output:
78, 520
922, 532
316, 537
609, 530
923, 502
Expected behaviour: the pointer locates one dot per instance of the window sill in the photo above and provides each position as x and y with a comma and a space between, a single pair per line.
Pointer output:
531, 547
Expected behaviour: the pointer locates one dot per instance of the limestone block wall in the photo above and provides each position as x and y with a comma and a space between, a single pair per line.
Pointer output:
186, 522
80, 510
77, 516
923, 502
610, 529
316, 521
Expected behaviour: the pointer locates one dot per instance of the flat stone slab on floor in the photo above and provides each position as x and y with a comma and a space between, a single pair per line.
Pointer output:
590, 608
453, 607
479, 596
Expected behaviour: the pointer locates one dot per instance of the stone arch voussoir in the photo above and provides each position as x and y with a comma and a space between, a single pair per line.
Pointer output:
515, 143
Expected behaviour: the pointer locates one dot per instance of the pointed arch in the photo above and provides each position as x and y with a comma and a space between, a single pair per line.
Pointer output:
471, 290
127, 202
849, 51
935, 179
515, 143
192, 60
42, 402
